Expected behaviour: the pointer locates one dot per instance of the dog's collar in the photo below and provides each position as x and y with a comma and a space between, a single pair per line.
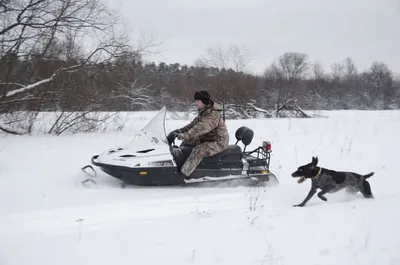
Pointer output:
318, 174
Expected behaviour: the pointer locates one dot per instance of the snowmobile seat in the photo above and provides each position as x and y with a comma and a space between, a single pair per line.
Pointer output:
233, 152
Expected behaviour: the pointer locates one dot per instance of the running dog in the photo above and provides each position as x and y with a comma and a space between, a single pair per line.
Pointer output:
330, 181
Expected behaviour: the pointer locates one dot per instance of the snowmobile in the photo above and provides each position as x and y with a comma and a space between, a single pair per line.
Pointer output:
150, 159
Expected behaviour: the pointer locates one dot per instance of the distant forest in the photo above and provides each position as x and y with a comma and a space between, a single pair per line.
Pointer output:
47, 65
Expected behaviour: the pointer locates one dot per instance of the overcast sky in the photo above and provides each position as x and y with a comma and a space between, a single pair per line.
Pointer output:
327, 30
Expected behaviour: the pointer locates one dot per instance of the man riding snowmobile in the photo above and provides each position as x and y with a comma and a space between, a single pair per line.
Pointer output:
207, 132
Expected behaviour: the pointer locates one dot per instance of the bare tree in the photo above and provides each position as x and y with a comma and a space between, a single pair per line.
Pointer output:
141, 97
284, 75
350, 68
343, 85
345, 69
230, 62
318, 70
233, 57
33, 31
148, 43
379, 90
293, 65
338, 70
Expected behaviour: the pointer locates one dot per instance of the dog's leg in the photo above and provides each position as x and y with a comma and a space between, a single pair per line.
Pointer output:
325, 190
366, 190
309, 196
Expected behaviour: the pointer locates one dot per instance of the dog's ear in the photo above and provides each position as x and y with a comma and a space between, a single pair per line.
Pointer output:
314, 162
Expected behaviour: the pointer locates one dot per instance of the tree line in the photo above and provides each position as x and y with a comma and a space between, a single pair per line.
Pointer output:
45, 65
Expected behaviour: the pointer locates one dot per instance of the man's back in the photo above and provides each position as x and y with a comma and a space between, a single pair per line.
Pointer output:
214, 127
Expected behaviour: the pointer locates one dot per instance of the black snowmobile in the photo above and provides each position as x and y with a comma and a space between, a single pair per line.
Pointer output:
150, 160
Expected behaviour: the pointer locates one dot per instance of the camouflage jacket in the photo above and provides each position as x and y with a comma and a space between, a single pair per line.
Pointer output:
208, 126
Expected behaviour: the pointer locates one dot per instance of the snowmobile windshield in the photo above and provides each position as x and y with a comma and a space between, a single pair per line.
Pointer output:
156, 126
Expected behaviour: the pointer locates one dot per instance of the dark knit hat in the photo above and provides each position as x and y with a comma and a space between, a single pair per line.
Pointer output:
204, 96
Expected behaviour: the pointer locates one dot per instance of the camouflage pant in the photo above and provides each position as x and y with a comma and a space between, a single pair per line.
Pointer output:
200, 151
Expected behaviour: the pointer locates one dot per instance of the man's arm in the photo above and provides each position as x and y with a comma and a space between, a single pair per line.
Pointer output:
187, 127
203, 126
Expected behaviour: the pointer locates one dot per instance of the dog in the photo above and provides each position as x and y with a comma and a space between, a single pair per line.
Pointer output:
330, 181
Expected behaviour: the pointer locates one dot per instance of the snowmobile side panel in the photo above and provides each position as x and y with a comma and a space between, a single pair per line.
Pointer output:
146, 176
142, 176
215, 172
165, 176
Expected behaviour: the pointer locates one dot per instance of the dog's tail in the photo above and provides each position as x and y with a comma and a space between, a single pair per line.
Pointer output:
369, 175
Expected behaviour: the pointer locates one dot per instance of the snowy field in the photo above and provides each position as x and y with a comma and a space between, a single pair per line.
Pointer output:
47, 217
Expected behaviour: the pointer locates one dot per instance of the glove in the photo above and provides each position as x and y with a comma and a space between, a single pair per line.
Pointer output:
171, 136
180, 136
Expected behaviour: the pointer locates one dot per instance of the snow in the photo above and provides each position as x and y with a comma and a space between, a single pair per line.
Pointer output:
47, 217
